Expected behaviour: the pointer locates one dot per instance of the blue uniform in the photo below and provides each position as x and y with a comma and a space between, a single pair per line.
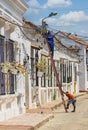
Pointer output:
50, 39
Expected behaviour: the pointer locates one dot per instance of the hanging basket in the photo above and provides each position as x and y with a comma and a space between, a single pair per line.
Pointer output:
42, 65
4, 70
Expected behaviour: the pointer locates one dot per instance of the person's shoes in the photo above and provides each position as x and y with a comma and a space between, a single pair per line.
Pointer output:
66, 111
73, 111
67, 107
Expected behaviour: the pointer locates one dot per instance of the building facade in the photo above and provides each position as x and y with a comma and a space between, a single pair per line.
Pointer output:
12, 80
26, 72
80, 47
45, 85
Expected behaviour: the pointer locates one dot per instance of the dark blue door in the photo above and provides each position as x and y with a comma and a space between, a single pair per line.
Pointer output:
2, 75
11, 59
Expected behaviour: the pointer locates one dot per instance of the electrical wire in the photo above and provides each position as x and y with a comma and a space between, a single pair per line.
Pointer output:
80, 36
83, 37
30, 28
14, 23
25, 34
19, 27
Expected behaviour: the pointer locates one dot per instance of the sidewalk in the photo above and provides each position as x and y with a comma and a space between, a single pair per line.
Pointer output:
28, 121
49, 107
33, 118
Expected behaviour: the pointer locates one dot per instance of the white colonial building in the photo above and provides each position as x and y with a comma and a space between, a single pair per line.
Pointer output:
66, 62
12, 79
80, 47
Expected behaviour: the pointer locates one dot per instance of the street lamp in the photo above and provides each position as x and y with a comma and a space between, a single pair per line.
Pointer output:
44, 25
50, 15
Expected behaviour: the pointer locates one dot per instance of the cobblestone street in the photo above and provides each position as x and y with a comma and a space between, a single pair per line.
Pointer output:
70, 121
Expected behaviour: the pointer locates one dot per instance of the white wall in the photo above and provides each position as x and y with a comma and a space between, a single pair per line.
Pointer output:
13, 105
82, 69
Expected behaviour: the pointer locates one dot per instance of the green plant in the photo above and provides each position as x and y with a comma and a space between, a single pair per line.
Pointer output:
49, 75
42, 65
54, 96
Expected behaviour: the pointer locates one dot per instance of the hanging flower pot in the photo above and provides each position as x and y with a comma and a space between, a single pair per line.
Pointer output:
13, 68
4, 70
42, 65
20, 68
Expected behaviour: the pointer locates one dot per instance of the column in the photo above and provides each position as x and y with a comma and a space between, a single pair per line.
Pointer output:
72, 88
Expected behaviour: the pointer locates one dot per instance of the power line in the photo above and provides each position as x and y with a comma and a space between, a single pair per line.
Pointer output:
19, 27
14, 23
10, 21
83, 37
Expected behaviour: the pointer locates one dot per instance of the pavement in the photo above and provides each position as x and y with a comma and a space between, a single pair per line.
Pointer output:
33, 119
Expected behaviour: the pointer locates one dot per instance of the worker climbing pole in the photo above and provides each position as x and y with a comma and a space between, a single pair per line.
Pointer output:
50, 43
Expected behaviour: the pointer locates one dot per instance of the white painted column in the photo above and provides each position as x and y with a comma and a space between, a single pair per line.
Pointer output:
2, 24
40, 90
77, 88
39, 81
66, 73
72, 88
30, 82
47, 81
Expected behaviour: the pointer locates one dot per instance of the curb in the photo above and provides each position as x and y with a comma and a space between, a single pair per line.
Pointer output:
15, 127
42, 122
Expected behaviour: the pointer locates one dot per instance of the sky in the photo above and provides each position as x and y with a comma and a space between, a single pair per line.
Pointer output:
72, 15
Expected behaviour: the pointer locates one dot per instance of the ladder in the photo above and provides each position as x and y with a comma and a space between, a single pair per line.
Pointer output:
56, 75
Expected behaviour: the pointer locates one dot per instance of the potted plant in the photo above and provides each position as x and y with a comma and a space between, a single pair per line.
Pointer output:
41, 65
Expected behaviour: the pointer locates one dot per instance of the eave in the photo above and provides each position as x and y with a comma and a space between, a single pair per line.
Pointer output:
31, 25
34, 45
74, 38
